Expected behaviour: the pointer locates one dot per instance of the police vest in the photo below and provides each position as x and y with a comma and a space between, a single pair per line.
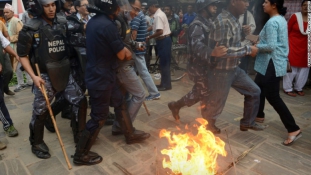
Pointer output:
51, 52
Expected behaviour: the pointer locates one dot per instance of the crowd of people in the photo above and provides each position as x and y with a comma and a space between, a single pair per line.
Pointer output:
102, 48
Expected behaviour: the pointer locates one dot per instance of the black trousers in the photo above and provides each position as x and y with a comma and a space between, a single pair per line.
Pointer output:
270, 89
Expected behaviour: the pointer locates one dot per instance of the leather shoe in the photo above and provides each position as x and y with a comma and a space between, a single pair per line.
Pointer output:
136, 137
9, 92
163, 89
255, 127
158, 86
212, 127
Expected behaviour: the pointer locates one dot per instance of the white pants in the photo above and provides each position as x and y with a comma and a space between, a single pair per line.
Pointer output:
300, 74
20, 76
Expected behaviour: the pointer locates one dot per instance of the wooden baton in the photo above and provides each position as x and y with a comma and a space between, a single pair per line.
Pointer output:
145, 106
53, 119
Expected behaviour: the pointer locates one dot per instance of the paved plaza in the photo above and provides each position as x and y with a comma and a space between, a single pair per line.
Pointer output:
269, 157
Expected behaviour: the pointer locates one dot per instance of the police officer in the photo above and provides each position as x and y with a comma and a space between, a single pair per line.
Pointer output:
65, 7
44, 40
60, 105
105, 47
77, 63
200, 57
76, 33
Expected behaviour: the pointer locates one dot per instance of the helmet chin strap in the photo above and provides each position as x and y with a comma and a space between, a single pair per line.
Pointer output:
49, 19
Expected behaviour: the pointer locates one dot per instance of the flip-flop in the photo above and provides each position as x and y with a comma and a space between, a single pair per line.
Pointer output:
293, 139
301, 93
291, 93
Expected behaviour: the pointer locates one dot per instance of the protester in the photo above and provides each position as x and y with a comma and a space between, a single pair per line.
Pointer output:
225, 73
162, 33
298, 52
14, 26
271, 63
127, 77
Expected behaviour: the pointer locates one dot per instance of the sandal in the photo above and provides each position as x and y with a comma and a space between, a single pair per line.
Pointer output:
301, 93
293, 139
291, 93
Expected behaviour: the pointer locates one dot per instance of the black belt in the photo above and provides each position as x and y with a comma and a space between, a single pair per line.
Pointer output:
162, 37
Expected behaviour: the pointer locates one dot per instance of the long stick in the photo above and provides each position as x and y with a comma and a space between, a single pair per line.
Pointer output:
237, 160
231, 153
53, 119
146, 108
121, 168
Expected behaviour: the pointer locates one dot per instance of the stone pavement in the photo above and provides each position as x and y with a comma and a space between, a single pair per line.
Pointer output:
269, 156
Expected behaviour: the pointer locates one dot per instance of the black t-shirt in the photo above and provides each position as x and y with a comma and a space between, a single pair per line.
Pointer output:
103, 42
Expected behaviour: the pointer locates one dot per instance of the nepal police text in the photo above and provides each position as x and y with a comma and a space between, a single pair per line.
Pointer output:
56, 46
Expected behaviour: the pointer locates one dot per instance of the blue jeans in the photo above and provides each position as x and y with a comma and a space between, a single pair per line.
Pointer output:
131, 83
220, 82
145, 75
164, 50
4, 113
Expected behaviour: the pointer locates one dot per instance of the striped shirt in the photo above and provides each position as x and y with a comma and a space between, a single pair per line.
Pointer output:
140, 25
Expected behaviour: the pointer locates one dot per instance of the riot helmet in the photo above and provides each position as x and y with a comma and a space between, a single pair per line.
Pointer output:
66, 4
202, 4
36, 6
109, 7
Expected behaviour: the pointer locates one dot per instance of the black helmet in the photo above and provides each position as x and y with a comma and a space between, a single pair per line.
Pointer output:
105, 6
36, 8
62, 3
201, 4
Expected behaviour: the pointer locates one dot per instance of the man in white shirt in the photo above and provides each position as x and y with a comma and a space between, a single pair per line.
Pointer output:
162, 33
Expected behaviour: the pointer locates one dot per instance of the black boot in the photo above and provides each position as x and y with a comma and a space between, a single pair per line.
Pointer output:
131, 134
83, 155
38, 147
212, 127
57, 106
175, 106
67, 112
78, 121
111, 118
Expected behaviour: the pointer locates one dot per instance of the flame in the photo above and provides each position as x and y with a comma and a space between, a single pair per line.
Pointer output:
193, 154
